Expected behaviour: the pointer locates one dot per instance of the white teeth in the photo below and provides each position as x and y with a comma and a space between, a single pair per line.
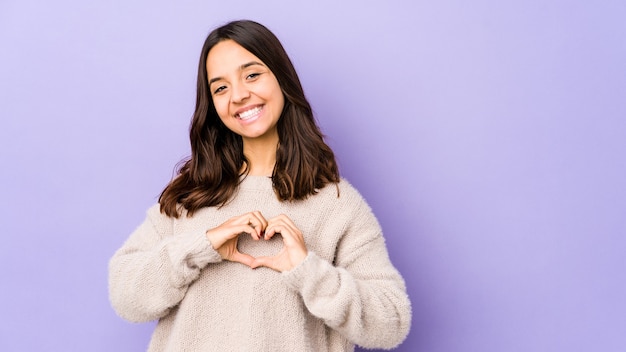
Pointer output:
249, 113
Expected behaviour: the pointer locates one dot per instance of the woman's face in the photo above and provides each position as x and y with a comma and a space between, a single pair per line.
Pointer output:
246, 94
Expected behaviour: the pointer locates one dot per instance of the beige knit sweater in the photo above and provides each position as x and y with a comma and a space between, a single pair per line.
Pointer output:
345, 292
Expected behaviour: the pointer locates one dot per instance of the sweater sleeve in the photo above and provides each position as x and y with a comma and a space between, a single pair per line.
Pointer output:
361, 294
151, 272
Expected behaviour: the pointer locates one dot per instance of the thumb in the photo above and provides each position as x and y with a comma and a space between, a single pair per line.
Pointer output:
243, 259
268, 262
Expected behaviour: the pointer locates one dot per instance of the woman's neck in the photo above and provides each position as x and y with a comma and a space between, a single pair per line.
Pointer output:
261, 156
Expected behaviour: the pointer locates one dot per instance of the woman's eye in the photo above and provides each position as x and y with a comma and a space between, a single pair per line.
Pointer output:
253, 75
219, 89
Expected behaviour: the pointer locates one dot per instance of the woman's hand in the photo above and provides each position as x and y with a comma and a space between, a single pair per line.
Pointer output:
294, 250
224, 237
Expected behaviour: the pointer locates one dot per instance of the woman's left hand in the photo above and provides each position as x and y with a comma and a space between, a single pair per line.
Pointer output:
294, 250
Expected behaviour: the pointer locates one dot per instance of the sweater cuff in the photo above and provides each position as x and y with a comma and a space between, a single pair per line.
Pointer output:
297, 277
195, 250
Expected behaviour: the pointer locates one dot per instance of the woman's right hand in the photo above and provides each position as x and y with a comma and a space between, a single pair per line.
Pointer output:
224, 237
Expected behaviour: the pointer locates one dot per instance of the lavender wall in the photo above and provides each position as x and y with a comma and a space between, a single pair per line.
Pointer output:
490, 139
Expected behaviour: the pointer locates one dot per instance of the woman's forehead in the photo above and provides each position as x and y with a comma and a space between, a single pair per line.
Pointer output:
227, 57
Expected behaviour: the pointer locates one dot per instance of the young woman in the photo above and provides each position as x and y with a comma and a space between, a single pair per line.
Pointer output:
258, 244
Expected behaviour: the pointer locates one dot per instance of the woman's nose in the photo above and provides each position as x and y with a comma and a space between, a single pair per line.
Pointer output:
239, 93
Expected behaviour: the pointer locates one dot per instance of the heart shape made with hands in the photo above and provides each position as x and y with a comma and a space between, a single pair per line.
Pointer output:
259, 248
252, 240
271, 253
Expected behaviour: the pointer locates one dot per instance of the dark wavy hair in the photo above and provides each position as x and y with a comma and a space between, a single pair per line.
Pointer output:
213, 172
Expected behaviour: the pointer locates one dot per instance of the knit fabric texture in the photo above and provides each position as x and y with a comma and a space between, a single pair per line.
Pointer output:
345, 292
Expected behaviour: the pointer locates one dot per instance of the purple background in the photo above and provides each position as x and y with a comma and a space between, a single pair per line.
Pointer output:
488, 136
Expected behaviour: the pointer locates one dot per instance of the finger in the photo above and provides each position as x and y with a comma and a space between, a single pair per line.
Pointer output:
242, 258
260, 218
288, 232
268, 262
273, 230
284, 219
253, 230
245, 229
244, 226
257, 222
222, 234
218, 237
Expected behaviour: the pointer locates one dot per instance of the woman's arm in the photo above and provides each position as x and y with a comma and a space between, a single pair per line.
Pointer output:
151, 272
361, 295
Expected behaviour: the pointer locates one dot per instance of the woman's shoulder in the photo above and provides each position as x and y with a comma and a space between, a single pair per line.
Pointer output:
345, 201
157, 216
351, 191
344, 184
342, 193
154, 212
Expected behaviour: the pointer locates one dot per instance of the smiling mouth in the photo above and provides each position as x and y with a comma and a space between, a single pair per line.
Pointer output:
248, 114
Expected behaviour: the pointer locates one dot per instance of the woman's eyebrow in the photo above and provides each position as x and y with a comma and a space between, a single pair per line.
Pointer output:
241, 68
251, 63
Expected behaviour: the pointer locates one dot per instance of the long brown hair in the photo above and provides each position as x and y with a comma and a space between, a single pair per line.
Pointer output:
211, 175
